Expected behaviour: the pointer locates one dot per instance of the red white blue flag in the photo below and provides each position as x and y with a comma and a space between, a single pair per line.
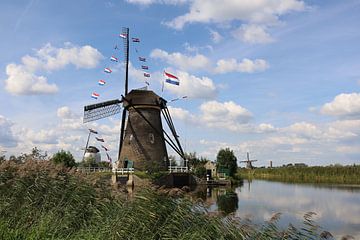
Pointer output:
123, 35
136, 39
142, 59
102, 82
93, 131
114, 59
100, 139
107, 70
108, 157
171, 79
105, 148
95, 95
146, 74
144, 67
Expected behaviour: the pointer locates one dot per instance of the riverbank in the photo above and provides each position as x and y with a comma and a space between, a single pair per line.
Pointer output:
318, 174
41, 201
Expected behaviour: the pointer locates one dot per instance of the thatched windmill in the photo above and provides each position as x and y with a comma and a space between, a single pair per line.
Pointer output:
142, 141
248, 161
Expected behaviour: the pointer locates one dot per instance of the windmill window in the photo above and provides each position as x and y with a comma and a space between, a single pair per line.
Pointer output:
151, 138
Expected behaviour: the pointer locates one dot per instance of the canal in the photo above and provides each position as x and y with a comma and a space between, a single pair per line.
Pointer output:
337, 207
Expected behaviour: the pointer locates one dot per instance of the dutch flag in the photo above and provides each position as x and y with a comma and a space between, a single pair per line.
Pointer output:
171, 79
142, 59
144, 67
123, 35
102, 82
107, 70
114, 59
95, 95
146, 74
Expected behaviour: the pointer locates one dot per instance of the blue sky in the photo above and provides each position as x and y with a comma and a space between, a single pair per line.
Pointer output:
277, 78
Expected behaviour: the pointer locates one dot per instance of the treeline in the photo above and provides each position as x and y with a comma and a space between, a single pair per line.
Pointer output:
41, 200
335, 174
62, 157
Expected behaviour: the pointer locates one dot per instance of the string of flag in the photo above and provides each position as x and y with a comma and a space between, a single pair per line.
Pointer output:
99, 139
142, 62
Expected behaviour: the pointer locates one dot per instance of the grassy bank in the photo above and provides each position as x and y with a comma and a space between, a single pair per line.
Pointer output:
41, 201
326, 174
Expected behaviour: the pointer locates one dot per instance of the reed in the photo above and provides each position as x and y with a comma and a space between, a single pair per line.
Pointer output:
41, 201
317, 174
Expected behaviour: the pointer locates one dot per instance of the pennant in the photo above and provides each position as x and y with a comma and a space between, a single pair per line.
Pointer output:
95, 95
102, 82
147, 83
107, 70
99, 139
146, 74
105, 148
144, 67
108, 157
171, 79
114, 59
93, 131
142, 59
123, 35
136, 39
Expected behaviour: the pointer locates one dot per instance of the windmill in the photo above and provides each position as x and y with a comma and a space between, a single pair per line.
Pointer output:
143, 140
248, 161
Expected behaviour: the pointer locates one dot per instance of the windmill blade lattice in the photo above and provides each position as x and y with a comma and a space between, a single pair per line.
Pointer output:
101, 110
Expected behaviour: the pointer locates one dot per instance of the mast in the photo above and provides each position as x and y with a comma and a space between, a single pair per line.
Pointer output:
125, 31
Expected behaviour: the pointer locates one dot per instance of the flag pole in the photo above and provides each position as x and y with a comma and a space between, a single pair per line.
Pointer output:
87, 143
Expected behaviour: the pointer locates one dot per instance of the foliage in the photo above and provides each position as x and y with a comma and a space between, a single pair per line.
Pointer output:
64, 158
200, 171
194, 161
40, 200
89, 162
316, 174
226, 159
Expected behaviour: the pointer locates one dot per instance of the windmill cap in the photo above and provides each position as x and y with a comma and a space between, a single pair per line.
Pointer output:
138, 97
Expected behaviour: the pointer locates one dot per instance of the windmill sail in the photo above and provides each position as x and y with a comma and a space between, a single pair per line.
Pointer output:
101, 110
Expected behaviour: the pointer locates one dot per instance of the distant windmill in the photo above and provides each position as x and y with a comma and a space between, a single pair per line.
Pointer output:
142, 143
248, 161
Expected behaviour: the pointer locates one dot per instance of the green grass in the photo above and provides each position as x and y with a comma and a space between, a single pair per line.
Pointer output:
326, 174
41, 201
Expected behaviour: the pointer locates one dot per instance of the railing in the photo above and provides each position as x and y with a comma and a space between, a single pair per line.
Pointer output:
123, 170
93, 169
178, 169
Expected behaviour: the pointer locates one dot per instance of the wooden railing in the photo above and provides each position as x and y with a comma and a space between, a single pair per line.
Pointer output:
123, 170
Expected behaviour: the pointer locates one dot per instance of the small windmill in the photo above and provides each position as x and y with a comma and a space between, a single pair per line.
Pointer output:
143, 140
248, 161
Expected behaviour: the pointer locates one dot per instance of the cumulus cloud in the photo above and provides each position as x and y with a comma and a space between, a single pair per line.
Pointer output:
219, 11
246, 65
343, 105
182, 61
251, 33
201, 62
24, 78
193, 87
65, 113
7, 137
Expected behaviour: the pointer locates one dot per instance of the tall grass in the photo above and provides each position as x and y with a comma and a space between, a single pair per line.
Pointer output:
41, 201
318, 174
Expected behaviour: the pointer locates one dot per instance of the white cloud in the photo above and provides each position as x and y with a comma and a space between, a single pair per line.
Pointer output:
192, 86
219, 11
246, 65
182, 61
23, 79
65, 113
7, 137
252, 33
215, 36
343, 105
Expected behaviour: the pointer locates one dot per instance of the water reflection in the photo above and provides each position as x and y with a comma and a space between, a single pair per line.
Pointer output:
337, 208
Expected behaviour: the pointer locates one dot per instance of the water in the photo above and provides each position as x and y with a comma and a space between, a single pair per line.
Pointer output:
337, 208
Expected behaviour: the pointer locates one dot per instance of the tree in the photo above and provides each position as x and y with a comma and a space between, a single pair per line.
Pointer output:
226, 159
64, 158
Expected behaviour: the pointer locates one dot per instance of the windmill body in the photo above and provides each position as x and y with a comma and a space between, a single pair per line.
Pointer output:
143, 144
